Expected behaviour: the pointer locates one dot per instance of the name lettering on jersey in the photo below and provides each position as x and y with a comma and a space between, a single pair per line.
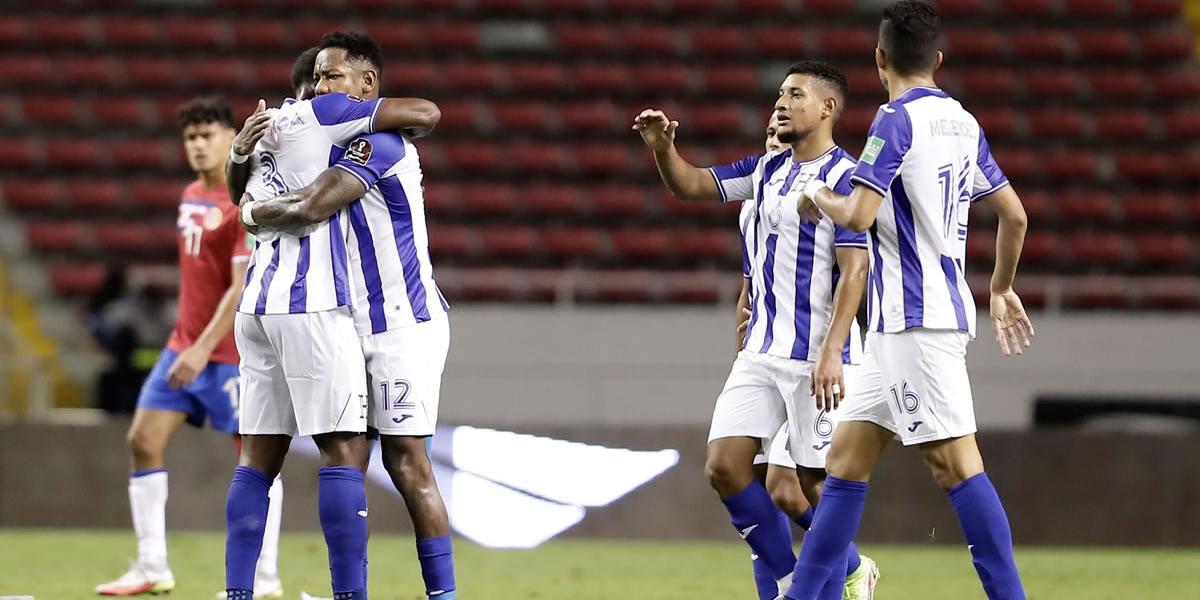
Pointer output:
292, 121
872, 149
951, 128
359, 152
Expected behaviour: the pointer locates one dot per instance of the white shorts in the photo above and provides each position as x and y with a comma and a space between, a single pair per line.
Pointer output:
404, 373
764, 393
777, 451
926, 392
301, 374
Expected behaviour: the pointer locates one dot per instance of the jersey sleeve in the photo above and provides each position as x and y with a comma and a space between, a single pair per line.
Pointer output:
370, 157
344, 118
988, 176
241, 242
842, 237
888, 141
736, 181
256, 184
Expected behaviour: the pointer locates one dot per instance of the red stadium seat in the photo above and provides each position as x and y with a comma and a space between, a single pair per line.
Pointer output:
464, 75
1153, 207
93, 194
961, 7
989, 82
141, 154
1097, 293
1040, 248
670, 79
37, 194
130, 32
618, 287
829, 7
571, 242
193, 32
1164, 249
15, 152
1093, 8
857, 120
1053, 84
981, 245
716, 118
1182, 124
582, 38
442, 198
1040, 44
1104, 44
974, 43
80, 278
116, 111
520, 115
1018, 163
48, 109
1091, 206
85, 70
997, 123
632, 6
13, 30
601, 79
779, 40
459, 114
260, 33
566, 5
862, 79
1156, 8
155, 193
1127, 123
151, 72
846, 41
488, 198
508, 241
649, 39
25, 69
546, 158
537, 77
1103, 248
472, 156
490, 285
735, 80
1125, 85
693, 288
394, 35
705, 243
715, 40
1056, 123
74, 153
63, 31
1027, 8
224, 73
124, 236
641, 243
1172, 45
1188, 167
1077, 164
552, 199
1171, 294
1037, 205
60, 236
416, 74
694, 7
593, 116
771, 8
1143, 166
457, 36
272, 74
617, 200
601, 159
448, 241
1182, 85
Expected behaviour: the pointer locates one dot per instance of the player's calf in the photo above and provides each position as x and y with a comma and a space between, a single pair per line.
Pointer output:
784, 486
407, 462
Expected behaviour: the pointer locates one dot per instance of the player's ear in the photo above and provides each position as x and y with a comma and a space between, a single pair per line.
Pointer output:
370, 81
937, 63
829, 107
881, 58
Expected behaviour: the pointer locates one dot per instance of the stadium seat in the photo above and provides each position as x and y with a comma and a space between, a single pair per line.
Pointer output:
1098, 293
151, 72
416, 74
1017, 163
1040, 248
1111, 85
732, 80
997, 123
1069, 165
1094, 9
694, 8
85, 70
1182, 124
716, 41
706, 243
546, 199
394, 35
46, 110
15, 152
155, 193
456, 36
487, 198
1175, 293
829, 7
515, 116
62, 31
592, 116
1176, 44
130, 32
1040, 44
116, 110
618, 287
600, 78
1178, 85
139, 154
1104, 44
770, 8
76, 278
527, 157
693, 288
998, 83
857, 120
1126, 123
582, 38
537, 77
641, 243
192, 32
508, 242
13, 30
1027, 8
617, 200
645, 40
261, 33
1156, 8
1056, 123
33, 194
572, 242
716, 118
846, 42
125, 237
1102, 248
224, 73
459, 115
1143, 166
75, 153
448, 241
469, 157
1162, 249
961, 7
1037, 205
1053, 84
25, 69
599, 159
89, 194
265, 74
974, 43
1085, 207
54, 235
981, 246
782, 41
463, 75
1152, 207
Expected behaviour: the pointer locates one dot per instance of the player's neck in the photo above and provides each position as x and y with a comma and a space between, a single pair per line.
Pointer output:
898, 85
812, 147
213, 178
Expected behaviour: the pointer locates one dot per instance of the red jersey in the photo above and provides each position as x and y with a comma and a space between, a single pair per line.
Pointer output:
211, 239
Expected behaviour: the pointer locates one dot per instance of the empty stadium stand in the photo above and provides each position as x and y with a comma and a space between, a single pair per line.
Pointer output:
538, 191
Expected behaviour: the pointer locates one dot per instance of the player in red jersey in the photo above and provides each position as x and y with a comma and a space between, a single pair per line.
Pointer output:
196, 377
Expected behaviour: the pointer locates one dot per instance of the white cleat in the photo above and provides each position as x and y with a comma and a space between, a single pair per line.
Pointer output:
139, 580
860, 585
263, 588
306, 596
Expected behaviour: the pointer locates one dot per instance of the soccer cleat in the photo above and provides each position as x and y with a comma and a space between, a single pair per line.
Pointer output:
306, 596
137, 581
860, 585
263, 588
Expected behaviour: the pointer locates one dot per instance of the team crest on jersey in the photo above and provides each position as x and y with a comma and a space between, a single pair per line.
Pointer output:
359, 152
213, 218
775, 218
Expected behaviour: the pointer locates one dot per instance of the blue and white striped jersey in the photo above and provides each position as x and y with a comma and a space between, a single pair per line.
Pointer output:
930, 160
792, 265
302, 271
393, 282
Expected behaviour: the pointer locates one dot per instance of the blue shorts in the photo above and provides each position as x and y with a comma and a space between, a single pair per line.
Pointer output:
213, 395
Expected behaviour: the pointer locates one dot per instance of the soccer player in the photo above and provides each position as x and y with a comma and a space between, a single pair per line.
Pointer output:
806, 285
196, 377
925, 162
302, 365
398, 309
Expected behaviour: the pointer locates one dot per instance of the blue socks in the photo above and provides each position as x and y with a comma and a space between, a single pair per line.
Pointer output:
757, 520
852, 558
342, 506
823, 554
985, 525
245, 522
437, 567
764, 579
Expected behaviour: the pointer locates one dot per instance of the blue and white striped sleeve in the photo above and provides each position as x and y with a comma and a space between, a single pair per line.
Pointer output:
842, 237
888, 141
343, 117
736, 181
370, 157
988, 176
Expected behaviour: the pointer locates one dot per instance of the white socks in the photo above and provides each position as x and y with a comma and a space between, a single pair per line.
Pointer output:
268, 560
148, 504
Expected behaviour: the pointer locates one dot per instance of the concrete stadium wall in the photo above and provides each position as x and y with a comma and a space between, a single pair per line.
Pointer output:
1060, 487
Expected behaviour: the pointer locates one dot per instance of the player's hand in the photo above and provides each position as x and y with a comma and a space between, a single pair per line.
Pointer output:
255, 127
187, 366
741, 328
809, 213
658, 132
1013, 329
828, 387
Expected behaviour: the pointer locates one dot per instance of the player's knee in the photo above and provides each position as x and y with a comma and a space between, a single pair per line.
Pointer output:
723, 475
144, 444
840, 463
949, 470
787, 495
407, 462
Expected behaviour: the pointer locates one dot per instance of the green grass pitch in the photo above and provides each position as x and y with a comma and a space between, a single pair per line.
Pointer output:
66, 564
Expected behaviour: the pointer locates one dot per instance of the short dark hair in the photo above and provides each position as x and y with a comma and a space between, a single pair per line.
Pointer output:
206, 109
909, 36
825, 72
357, 46
302, 70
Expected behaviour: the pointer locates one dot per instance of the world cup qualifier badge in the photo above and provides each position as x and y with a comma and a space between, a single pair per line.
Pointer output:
359, 152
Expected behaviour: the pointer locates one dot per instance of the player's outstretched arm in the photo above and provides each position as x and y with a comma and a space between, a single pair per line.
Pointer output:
237, 167
1012, 325
313, 203
828, 387
685, 180
410, 117
855, 212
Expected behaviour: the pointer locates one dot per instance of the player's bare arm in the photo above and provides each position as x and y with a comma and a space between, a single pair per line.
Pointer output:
192, 360
237, 174
742, 314
685, 180
313, 203
855, 212
1013, 328
411, 117
828, 386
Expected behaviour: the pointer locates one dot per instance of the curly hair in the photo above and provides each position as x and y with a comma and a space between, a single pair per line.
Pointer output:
206, 109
